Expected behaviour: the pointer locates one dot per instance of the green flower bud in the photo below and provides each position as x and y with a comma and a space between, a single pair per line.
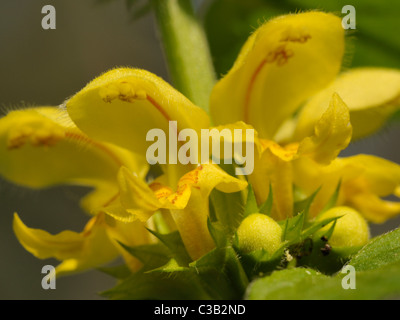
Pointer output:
351, 229
258, 231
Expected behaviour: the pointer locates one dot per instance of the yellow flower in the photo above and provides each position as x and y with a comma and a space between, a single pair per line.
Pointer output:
41, 147
127, 104
286, 84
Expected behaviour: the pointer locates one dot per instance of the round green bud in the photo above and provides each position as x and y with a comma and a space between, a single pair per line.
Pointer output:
351, 229
258, 231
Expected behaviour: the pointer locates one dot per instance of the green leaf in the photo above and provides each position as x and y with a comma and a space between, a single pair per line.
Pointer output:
158, 286
170, 267
285, 284
266, 207
221, 273
174, 243
260, 262
303, 206
292, 228
318, 225
313, 248
151, 255
227, 208
218, 233
379, 252
308, 284
118, 272
251, 202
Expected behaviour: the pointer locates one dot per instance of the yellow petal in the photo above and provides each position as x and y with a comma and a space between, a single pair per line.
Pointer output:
364, 180
284, 62
273, 168
193, 195
123, 105
78, 251
37, 151
332, 133
377, 175
372, 95
130, 234
375, 209
188, 204
309, 176
136, 200
233, 143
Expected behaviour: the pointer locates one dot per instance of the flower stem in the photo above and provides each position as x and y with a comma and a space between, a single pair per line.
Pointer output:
186, 49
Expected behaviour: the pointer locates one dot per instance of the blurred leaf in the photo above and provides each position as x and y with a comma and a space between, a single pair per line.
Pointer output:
260, 262
118, 272
219, 233
379, 252
292, 227
151, 255
174, 243
266, 207
221, 273
308, 284
170, 267
303, 206
227, 209
158, 286
375, 41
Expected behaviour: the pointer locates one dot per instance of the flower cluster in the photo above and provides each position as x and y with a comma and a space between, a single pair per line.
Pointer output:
286, 84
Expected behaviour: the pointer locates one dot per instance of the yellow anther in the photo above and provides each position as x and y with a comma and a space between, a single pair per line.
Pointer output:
109, 93
141, 95
295, 35
37, 134
124, 91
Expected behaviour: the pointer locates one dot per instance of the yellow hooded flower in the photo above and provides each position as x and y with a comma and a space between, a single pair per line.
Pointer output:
111, 160
127, 104
41, 147
286, 84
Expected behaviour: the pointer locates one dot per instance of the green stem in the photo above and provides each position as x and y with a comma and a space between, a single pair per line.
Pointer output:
186, 49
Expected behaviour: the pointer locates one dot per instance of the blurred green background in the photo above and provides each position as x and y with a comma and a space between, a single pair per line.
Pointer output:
44, 67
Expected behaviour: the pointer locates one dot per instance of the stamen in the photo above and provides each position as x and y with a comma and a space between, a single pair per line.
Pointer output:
37, 134
125, 91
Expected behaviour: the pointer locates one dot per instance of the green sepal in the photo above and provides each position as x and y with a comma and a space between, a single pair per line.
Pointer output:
221, 274
118, 272
219, 233
151, 255
251, 203
227, 208
266, 207
303, 206
171, 266
176, 248
142, 285
260, 262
